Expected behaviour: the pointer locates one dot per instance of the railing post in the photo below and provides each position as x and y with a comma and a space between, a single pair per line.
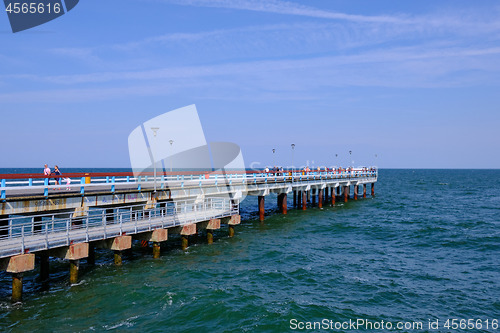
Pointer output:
67, 231
82, 188
46, 190
47, 234
87, 229
30, 182
113, 186
3, 189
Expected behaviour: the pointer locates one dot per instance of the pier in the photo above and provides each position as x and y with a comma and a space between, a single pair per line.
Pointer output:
108, 211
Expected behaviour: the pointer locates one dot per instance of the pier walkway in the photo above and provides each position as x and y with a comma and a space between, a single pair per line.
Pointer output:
103, 210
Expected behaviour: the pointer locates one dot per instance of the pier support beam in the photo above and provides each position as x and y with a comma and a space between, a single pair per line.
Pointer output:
17, 265
313, 197
333, 196
294, 198
209, 226
73, 253
304, 200
373, 189
320, 198
299, 198
234, 220
261, 199
364, 190
346, 193
156, 236
185, 231
117, 244
356, 192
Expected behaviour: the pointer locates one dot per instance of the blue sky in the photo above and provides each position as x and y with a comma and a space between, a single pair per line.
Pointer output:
416, 83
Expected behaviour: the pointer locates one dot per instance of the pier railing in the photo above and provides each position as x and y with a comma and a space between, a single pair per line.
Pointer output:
36, 184
41, 232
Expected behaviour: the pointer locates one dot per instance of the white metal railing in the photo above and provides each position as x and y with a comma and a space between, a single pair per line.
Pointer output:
32, 186
45, 231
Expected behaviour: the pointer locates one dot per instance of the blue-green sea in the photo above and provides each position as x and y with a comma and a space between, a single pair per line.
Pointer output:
425, 248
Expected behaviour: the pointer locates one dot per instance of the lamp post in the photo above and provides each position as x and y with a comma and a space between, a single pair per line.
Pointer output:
154, 129
171, 143
293, 149
274, 159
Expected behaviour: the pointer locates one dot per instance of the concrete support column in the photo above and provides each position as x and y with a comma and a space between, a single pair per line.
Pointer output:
184, 242
17, 287
74, 265
304, 201
333, 196
261, 207
373, 189
233, 220
313, 197
118, 257
356, 192
320, 199
156, 250
44, 266
364, 190
346, 193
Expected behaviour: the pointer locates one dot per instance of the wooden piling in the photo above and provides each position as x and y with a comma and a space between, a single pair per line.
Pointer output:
284, 204
261, 207
346, 193
320, 198
304, 200
373, 189
364, 190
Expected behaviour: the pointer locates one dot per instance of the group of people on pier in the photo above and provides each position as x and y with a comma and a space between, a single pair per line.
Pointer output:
57, 175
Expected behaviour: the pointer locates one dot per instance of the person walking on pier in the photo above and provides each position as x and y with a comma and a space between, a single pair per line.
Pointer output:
57, 173
46, 171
